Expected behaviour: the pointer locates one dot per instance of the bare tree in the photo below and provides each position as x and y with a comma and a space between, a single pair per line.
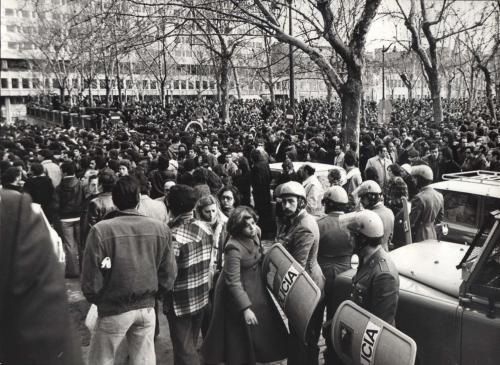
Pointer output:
343, 25
483, 44
429, 24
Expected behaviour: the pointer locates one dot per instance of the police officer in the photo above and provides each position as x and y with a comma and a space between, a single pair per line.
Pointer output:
370, 195
335, 251
299, 234
375, 287
426, 207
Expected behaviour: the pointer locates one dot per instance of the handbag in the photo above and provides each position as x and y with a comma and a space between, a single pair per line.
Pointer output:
218, 268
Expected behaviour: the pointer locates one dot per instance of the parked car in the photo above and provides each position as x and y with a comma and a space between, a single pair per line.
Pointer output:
322, 170
468, 199
449, 300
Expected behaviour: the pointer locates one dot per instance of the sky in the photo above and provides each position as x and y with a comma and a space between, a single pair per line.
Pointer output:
383, 29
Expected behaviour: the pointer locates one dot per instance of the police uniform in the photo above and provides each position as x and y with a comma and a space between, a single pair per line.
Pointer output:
375, 287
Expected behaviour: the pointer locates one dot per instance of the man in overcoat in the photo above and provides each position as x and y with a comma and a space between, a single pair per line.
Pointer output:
427, 206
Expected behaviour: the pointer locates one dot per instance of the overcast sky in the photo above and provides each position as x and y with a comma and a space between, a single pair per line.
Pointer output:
383, 29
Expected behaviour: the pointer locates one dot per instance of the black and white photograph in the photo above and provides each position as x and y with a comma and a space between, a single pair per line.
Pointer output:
250, 182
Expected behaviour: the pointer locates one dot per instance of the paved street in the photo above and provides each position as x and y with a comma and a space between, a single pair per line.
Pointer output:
164, 353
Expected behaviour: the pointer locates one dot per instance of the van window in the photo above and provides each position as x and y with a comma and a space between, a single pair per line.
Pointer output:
460, 208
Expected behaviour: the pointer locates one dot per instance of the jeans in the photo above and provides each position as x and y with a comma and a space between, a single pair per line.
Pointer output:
71, 243
137, 325
184, 332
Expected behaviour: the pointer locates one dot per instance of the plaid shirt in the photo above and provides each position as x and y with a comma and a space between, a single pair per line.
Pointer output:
192, 243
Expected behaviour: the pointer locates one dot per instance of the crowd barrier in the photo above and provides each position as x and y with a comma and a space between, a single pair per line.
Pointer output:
58, 118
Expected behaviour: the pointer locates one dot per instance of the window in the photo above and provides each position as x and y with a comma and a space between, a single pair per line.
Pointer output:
15, 83
144, 84
12, 45
47, 83
55, 84
212, 85
9, 12
130, 84
102, 83
94, 84
11, 28
5, 83
191, 85
460, 208
74, 83
183, 84
205, 84
36, 83
25, 14
153, 85
26, 83
176, 84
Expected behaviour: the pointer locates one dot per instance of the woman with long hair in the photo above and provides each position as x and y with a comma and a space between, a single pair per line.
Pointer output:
246, 327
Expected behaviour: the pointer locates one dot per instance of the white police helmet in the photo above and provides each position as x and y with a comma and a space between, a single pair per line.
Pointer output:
292, 188
336, 194
366, 187
367, 223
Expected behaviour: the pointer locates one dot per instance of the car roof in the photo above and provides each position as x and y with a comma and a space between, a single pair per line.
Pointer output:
483, 183
468, 188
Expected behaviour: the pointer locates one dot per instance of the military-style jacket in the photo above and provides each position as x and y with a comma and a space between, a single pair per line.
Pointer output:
375, 287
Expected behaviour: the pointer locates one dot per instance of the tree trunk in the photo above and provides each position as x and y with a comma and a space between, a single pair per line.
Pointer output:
351, 106
435, 90
329, 91
61, 94
108, 90
236, 81
409, 88
119, 85
162, 93
489, 92
90, 93
272, 96
224, 86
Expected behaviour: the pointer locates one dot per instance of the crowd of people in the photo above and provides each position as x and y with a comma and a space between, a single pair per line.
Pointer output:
155, 218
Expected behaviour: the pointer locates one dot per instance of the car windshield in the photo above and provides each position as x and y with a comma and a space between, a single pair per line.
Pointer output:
477, 244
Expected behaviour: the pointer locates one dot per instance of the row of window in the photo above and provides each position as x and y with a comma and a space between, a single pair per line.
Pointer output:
21, 46
9, 12
35, 83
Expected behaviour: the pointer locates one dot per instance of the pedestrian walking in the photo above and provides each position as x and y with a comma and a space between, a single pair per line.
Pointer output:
246, 327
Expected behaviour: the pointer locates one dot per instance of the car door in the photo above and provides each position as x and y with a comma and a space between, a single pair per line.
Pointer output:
480, 301
431, 319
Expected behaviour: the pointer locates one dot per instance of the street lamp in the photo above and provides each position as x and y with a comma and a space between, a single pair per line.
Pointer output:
290, 56
384, 49
276, 9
